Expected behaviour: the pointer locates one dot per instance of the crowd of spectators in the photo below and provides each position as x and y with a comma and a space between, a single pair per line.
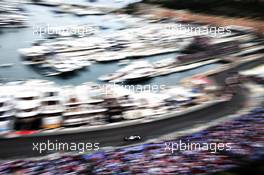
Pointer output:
245, 133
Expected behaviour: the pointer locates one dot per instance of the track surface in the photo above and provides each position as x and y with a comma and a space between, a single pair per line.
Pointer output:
22, 147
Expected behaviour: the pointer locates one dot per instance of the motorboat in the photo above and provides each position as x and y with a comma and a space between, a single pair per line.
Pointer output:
63, 68
7, 114
139, 75
137, 114
123, 62
111, 76
112, 56
84, 63
12, 17
137, 70
79, 112
84, 12
182, 68
78, 63
38, 83
6, 65
65, 64
164, 63
51, 108
35, 53
27, 105
136, 65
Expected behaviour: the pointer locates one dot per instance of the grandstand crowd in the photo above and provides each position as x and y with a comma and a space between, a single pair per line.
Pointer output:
246, 133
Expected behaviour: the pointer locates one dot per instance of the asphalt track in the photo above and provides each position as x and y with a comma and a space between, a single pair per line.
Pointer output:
22, 147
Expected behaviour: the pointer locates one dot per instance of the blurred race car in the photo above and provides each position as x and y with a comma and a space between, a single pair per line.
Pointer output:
132, 138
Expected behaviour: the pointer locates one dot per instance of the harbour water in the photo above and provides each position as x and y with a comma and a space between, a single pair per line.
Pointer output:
13, 39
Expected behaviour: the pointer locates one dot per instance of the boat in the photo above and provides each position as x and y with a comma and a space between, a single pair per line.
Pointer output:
137, 114
79, 63
84, 63
51, 108
111, 56
137, 70
164, 62
123, 62
6, 65
79, 112
136, 65
49, 74
35, 53
27, 105
36, 83
139, 75
63, 67
12, 18
85, 12
110, 76
182, 68
7, 114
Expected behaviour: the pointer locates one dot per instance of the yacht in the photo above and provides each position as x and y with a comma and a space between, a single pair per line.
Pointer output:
7, 113
139, 75
135, 71
79, 112
62, 67
79, 64
115, 110
123, 62
135, 114
27, 105
38, 83
66, 64
51, 108
35, 53
84, 12
111, 76
164, 63
83, 63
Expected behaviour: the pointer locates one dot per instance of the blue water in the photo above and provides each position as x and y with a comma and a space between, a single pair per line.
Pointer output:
13, 39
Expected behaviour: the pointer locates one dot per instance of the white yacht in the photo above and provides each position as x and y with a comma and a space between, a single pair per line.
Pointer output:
62, 67
27, 105
139, 74
123, 62
7, 113
111, 76
137, 114
80, 112
164, 62
83, 63
51, 108
67, 64
35, 53
135, 71
136, 65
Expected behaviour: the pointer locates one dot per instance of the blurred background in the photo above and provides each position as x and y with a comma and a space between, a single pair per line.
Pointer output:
102, 87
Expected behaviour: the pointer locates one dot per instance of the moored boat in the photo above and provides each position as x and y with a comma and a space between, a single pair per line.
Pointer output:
27, 105
51, 108
7, 114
